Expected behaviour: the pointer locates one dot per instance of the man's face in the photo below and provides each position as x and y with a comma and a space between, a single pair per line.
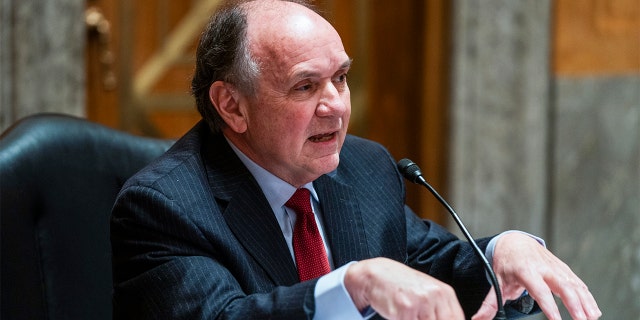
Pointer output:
297, 123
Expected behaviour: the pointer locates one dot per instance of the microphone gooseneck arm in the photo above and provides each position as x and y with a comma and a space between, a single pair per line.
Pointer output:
412, 172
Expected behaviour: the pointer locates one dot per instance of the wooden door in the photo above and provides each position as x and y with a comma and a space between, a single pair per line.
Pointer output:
153, 44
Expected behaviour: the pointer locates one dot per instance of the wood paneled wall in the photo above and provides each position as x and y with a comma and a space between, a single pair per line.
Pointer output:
596, 37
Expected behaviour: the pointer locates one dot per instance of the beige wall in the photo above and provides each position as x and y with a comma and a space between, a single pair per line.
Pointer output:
41, 58
546, 133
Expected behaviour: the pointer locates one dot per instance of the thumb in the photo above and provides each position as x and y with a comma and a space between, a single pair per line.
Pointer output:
489, 307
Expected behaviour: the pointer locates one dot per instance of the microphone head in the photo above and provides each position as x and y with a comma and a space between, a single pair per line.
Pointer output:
409, 170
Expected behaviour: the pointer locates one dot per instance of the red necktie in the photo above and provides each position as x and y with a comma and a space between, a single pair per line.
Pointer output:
308, 248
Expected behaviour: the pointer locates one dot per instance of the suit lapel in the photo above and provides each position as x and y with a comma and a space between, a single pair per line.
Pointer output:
247, 212
252, 221
343, 222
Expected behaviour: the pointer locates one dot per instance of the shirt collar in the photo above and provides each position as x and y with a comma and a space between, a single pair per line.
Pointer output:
275, 189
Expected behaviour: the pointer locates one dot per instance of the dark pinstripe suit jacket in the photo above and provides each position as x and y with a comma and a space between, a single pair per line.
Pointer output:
194, 237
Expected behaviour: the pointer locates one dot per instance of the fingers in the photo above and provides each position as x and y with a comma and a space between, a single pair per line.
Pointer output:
523, 263
566, 285
544, 297
575, 295
489, 307
454, 307
424, 298
396, 291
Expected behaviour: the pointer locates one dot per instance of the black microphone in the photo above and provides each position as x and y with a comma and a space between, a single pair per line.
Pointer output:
412, 172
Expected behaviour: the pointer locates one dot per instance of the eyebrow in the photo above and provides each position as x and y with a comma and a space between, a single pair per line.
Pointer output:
346, 64
311, 74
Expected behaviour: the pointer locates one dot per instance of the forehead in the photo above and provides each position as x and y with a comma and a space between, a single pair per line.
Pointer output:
289, 38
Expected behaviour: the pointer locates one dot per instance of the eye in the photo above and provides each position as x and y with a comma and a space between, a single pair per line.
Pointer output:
341, 78
304, 87
340, 81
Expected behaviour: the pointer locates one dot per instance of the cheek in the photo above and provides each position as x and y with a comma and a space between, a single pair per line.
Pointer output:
283, 121
280, 127
297, 117
347, 111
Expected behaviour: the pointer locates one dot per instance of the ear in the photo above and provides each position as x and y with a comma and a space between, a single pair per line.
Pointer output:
226, 100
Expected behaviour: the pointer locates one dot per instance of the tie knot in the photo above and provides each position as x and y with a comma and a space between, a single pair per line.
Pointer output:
300, 202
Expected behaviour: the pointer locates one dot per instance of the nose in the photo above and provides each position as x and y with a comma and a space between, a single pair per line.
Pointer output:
334, 101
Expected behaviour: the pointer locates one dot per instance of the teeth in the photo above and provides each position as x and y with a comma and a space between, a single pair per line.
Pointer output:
322, 138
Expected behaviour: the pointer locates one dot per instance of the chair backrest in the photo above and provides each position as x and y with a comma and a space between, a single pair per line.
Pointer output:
59, 176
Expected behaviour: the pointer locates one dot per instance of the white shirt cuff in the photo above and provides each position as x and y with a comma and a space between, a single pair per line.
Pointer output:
333, 300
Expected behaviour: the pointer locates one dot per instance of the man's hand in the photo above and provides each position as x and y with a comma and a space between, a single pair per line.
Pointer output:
520, 263
396, 291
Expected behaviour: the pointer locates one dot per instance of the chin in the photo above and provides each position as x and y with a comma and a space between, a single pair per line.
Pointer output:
329, 163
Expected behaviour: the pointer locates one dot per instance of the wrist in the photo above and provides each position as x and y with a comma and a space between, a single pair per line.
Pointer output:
356, 279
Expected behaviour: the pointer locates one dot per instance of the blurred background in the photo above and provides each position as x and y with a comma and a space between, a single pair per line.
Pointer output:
525, 114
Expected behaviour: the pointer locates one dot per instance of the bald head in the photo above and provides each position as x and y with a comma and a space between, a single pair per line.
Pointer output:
281, 20
280, 33
285, 36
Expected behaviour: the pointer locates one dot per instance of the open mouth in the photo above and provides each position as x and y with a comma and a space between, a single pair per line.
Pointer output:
322, 137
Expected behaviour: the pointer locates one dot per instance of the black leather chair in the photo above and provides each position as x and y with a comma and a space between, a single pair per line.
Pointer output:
59, 176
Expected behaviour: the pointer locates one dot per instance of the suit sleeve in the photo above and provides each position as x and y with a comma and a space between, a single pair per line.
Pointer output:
165, 268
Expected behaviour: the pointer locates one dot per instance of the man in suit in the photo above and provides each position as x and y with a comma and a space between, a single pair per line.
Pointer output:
212, 229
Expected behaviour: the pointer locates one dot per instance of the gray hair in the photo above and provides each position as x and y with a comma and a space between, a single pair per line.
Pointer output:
223, 54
